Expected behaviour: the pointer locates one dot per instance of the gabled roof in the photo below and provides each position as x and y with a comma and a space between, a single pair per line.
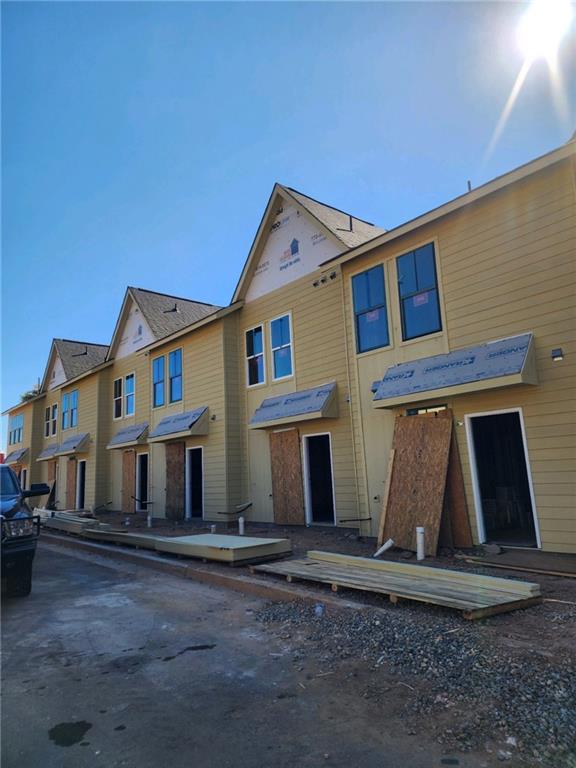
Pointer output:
164, 314
76, 357
346, 229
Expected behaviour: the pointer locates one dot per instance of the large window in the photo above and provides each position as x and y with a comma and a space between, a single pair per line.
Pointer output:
117, 398
70, 409
158, 382
418, 290
370, 313
255, 356
15, 429
281, 347
129, 395
175, 376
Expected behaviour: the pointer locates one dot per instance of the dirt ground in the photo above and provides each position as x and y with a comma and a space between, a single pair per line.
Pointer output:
531, 628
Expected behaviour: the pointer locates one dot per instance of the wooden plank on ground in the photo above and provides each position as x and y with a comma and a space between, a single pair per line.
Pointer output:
385, 498
418, 484
474, 580
474, 601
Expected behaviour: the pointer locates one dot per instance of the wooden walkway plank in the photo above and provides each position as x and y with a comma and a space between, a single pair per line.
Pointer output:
476, 597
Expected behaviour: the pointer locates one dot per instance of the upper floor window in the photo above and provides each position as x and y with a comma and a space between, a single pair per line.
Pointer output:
158, 382
281, 347
255, 356
175, 376
129, 394
15, 429
418, 290
370, 314
70, 409
117, 409
51, 420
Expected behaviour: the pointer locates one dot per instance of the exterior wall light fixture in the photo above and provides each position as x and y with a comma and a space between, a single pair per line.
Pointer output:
557, 355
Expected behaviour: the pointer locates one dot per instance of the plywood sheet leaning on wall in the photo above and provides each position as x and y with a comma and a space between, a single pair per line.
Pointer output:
417, 487
455, 507
287, 485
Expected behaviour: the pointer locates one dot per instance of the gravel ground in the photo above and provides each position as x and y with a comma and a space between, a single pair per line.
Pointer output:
468, 686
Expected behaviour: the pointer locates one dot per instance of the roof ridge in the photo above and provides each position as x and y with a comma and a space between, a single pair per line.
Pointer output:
327, 205
171, 296
78, 341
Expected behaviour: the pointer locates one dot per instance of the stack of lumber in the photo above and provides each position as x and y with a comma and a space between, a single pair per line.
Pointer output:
475, 596
424, 485
70, 523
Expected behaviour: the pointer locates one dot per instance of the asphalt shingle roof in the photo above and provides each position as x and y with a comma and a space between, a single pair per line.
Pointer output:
77, 357
347, 228
167, 314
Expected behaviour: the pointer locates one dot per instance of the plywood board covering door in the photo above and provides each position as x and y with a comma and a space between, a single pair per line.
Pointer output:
128, 481
418, 482
71, 483
175, 480
287, 485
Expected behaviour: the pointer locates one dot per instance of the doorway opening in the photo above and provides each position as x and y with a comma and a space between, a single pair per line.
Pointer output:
502, 483
81, 484
319, 479
24, 478
142, 482
194, 483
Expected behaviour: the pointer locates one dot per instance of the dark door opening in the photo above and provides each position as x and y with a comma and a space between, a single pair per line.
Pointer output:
81, 485
195, 483
503, 480
142, 482
320, 493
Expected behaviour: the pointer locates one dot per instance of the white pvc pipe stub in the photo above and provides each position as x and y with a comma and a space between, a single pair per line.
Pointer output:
420, 542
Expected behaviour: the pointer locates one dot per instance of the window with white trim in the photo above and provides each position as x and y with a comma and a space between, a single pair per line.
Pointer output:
54, 419
158, 382
129, 396
255, 370
47, 421
70, 409
175, 376
281, 341
117, 398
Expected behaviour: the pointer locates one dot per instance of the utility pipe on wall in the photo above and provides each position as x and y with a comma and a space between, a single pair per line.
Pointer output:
241, 526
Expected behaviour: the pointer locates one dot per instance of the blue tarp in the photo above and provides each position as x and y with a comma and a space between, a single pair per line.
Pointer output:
492, 360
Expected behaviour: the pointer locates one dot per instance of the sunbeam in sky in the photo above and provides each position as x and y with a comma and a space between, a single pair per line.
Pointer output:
539, 35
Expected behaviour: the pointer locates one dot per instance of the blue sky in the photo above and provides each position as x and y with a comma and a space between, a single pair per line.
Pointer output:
140, 141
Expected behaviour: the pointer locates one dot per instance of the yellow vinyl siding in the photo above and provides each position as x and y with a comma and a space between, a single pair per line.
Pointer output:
319, 355
507, 267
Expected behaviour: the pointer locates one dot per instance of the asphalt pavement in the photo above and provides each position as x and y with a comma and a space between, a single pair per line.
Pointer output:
108, 664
